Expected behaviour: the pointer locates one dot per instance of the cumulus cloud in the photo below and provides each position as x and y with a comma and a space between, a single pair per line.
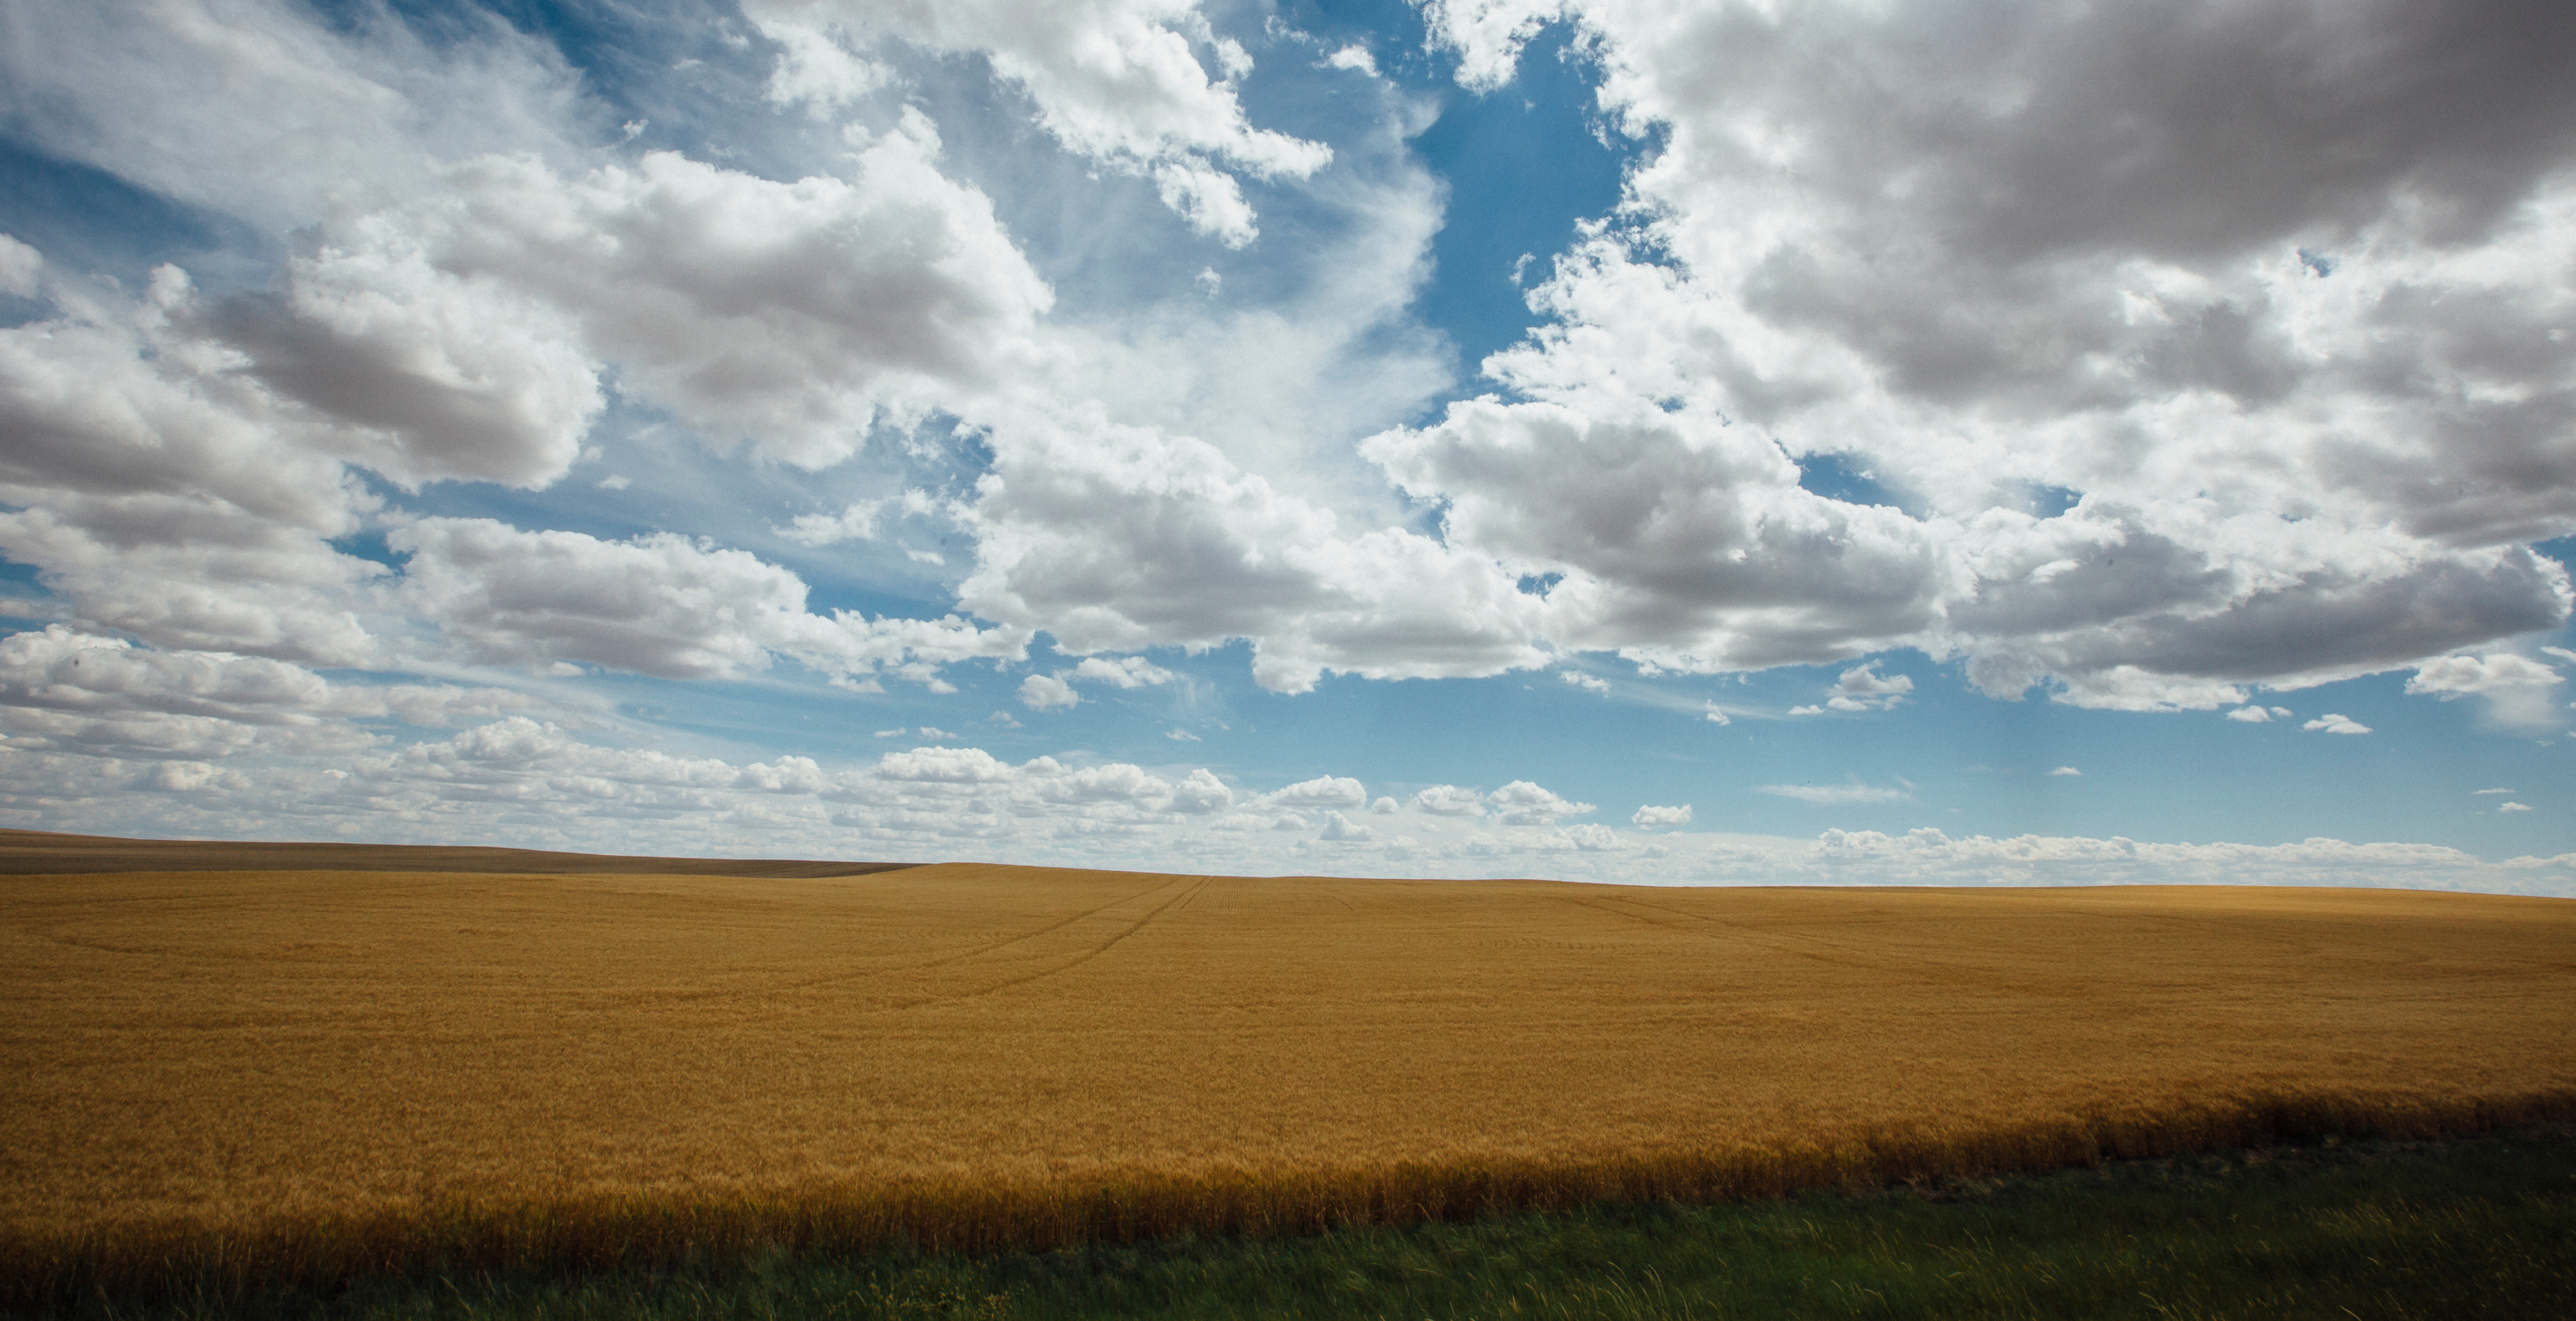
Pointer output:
1522, 803
1863, 689
1680, 541
2515, 688
788, 317
431, 373
2459, 676
546, 785
1120, 82
1322, 791
660, 604
1201, 793
1587, 682
2144, 392
1121, 672
2270, 372
1662, 816
2066, 770
1449, 800
1354, 58
308, 109
1929, 855
1045, 692
1340, 829
2333, 723
65, 690
2511, 807
19, 265
1118, 538
170, 498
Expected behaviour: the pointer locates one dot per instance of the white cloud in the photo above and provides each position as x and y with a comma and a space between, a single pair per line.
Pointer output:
660, 604
2066, 770
2459, 676
944, 765
1487, 35
2490, 791
1662, 816
1122, 672
1354, 58
431, 371
544, 785
1340, 829
2511, 807
1682, 542
1200, 793
1827, 794
307, 108
1522, 803
1450, 800
19, 267
1045, 692
1862, 689
1879, 243
818, 72
2251, 715
1179, 735
1322, 791
167, 496
1587, 682
65, 690
2515, 688
789, 317
1382, 807
1117, 82
2333, 723
856, 522
1120, 538
1929, 856
1714, 715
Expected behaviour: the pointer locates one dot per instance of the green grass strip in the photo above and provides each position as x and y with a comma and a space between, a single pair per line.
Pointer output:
2479, 1227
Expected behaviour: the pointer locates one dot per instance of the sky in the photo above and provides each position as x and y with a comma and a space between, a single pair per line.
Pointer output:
1665, 441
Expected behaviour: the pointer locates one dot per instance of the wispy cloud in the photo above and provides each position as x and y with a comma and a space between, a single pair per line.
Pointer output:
1835, 793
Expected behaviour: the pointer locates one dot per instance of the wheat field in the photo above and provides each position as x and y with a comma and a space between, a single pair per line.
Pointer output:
301, 1075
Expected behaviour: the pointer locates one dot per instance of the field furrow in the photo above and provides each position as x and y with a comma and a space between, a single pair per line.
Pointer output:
244, 1052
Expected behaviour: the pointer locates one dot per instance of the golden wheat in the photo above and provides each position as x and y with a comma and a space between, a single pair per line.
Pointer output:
301, 1075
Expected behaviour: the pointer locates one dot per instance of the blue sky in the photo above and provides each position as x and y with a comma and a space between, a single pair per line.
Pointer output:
1972, 444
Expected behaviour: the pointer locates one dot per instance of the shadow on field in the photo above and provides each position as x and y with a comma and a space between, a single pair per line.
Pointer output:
2479, 1227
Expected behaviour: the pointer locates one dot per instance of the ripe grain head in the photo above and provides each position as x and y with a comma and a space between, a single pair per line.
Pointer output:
272, 1048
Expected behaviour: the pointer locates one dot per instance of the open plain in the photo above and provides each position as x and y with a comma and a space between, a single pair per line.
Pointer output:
309, 1072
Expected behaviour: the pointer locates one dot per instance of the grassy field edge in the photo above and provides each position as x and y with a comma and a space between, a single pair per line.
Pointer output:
144, 1260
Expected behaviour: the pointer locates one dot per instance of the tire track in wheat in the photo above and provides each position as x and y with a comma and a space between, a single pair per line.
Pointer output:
1077, 960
